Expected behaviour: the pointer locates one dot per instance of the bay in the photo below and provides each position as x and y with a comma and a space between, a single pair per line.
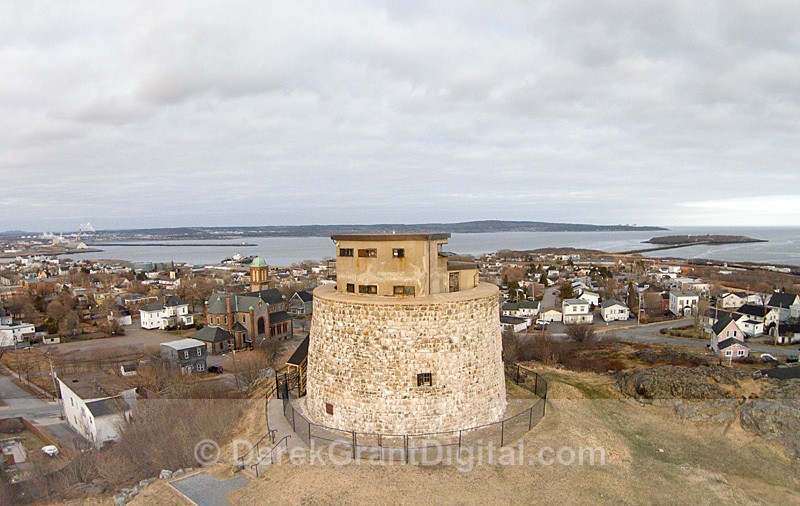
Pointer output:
783, 246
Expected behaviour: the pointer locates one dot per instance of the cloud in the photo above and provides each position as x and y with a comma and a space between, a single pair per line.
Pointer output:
239, 112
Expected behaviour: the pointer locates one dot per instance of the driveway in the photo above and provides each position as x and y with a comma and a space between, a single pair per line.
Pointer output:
21, 403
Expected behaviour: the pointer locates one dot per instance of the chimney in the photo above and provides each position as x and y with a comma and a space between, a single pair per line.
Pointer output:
229, 313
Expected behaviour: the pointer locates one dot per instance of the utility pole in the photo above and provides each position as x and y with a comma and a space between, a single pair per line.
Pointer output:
639, 311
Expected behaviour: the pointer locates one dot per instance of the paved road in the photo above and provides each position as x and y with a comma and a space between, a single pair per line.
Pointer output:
649, 334
21, 403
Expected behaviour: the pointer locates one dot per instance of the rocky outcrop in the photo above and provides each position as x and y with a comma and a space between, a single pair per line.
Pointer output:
776, 415
677, 382
716, 410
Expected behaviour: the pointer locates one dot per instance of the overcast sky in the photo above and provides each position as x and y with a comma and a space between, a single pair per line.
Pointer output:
260, 113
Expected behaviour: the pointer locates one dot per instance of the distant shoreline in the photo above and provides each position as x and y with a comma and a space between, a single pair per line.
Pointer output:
684, 241
175, 245
228, 233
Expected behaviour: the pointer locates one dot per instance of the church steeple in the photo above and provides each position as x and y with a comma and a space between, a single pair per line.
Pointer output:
259, 275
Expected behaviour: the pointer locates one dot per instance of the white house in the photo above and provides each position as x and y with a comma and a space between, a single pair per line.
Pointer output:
523, 309
732, 300
96, 405
576, 311
614, 310
173, 312
767, 315
121, 314
514, 323
590, 297
787, 304
683, 303
551, 315
15, 333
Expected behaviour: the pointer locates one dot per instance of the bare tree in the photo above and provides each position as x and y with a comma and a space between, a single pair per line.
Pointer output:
581, 332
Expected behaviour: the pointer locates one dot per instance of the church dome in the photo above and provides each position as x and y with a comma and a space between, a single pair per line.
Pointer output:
258, 262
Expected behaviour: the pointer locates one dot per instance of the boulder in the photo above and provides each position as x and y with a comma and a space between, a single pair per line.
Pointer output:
715, 410
120, 499
165, 474
776, 416
678, 382
91, 488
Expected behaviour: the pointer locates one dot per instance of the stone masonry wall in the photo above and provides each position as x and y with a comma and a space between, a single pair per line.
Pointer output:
365, 354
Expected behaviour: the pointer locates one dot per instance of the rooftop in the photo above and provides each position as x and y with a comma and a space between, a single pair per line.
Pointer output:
94, 385
183, 344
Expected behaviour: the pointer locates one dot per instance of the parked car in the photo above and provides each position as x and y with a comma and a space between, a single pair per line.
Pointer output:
791, 359
215, 369
542, 322
766, 357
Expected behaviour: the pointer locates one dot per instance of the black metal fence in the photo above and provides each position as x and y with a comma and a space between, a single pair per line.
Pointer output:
428, 447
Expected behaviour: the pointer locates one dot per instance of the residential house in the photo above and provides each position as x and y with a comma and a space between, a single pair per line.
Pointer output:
301, 304
614, 310
751, 328
136, 300
576, 311
590, 297
121, 314
217, 339
15, 333
5, 318
727, 339
683, 303
789, 333
787, 304
189, 354
551, 315
525, 308
732, 300
767, 315
514, 323
173, 312
96, 404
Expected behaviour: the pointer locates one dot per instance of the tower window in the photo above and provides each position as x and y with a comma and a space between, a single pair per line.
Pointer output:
329, 408
399, 253
404, 290
368, 253
345, 252
351, 288
368, 289
424, 379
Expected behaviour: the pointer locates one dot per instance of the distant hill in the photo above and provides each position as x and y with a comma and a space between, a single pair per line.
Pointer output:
475, 227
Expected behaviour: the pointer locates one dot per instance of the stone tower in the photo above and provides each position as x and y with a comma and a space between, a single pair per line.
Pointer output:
406, 342
259, 275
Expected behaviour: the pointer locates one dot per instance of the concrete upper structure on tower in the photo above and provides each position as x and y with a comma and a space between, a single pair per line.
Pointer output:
399, 265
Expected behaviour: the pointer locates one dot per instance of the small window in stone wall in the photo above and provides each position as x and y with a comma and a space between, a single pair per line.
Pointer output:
368, 253
404, 290
351, 288
398, 252
329, 408
424, 379
368, 289
345, 252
